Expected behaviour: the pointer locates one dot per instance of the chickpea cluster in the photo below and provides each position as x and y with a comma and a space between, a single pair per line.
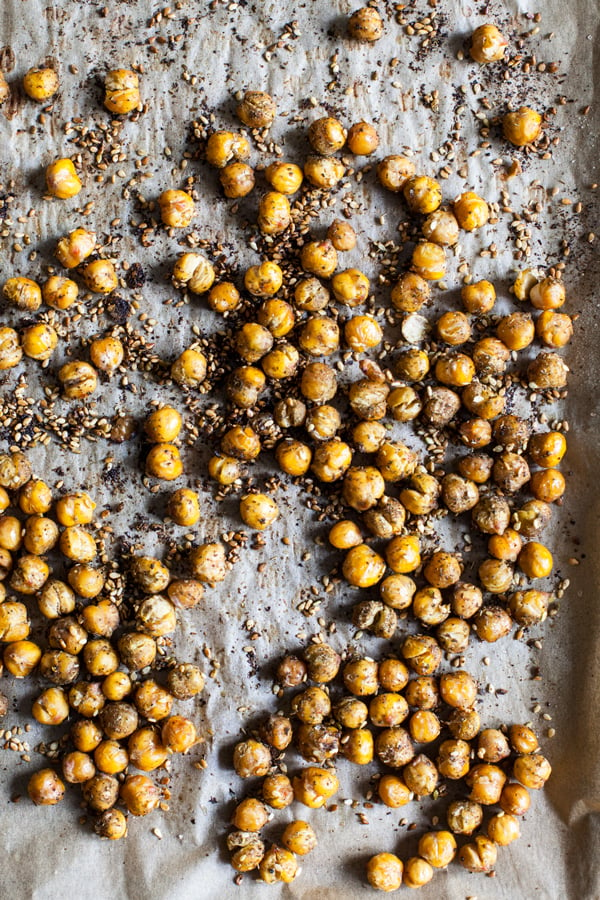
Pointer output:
98, 659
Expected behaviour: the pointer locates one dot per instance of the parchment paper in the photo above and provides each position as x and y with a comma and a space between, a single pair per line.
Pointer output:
46, 854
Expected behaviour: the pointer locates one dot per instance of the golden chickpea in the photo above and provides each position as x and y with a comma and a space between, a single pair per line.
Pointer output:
241, 443
438, 848
282, 362
284, 177
350, 287
363, 486
369, 436
394, 747
515, 799
251, 758
491, 355
11, 533
111, 824
294, 458
253, 341
116, 686
402, 554
384, 871
331, 459
422, 194
421, 776
324, 171
344, 535
421, 497
458, 689
51, 707
193, 271
100, 276
421, 653
326, 135
310, 295
505, 546
362, 139
67, 634
412, 365
453, 328
487, 44
189, 369
100, 792
397, 591
365, 25
277, 791
274, 213
410, 292
257, 109
224, 469
547, 449
319, 258
478, 856
394, 171
223, 297
278, 316
56, 599
471, 211
258, 511
486, 782
59, 667
532, 771
458, 493
88, 582
100, 658
362, 333
482, 400
121, 91
393, 792
535, 560
318, 383
111, 758
276, 731
441, 227
78, 379
21, 657
464, 816
150, 574
146, 750
223, 147
478, 298
523, 739
164, 462
15, 470
495, 575
342, 235
278, 865
443, 569
77, 544
250, 815
492, 623
77, 767
29, 574
62, 180
23, 293
424, 726
554, 329
492, 746
177, 208
516, 331
503, 829
363, 567
71, 250
522, 126
351, 713
417, 872
357, 746
11, 352
163, 425
548, 485
529, 607
75, 509
547, 294
429, 261
464, 724
361, 677
40, 84
107, 354
184, 508
139, 795
39, 341
45, 788
299, 837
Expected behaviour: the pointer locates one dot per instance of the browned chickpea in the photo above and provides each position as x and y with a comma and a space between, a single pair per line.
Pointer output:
384, 871
422, 653
78, 379
116, 686
258, 511
139, 795
118, 720
458, 689
274, 213
362, 333
547, 294
438, 848
103, 619
224, 469
223, 147
386, 519
486, 782
464, 724
522, 126
100, 792
492, 515
392, 674
122, 94
146, 749
429, 261
157, 616
223, 297
100, 276
453, 635
487, 44
515, 799
424, 726
70, 251
21, 657
189, 369
177, 208
394, 747
421, 497
532, 771
45, 788
464, 816
363, 567
14, 621
107, 354
503, 829
478, 856
277, 732
361, 677
547, 448
257, 109
56, 599
394, 171
293, 457
443, 569
529, 607
317, 743
29, 574
277, 791
454, 328
111, 824
505, 546
423, 692
11, 352
516, 331
183, 507
410, 292
351, 713
492, 623
23, 293
459, 494
311, 706
362, 139
455, 370
441, 405
535, 560
441, 227
331, 459
51, 707
149, 574
282, 362
454, 759
284, 177
35, 497
422, 194
417, 872
393, 792
326, 135
471, 211
492, 745
86, 698
251, 758
67, 634
278, 865
152, 701
548, 485
209, 563
387, 710
428, 606
368, 437
479, 297
15, 470
366, 25
247, 850
495, 575
482, 400
185, 681
421, 776
554, 329
40, 536
323, 171
86, 735
111, 758
77, 767
253, 341
250, 815
523, 739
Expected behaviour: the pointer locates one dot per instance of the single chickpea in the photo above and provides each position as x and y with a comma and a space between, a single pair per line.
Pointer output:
258, 511
319, 258
237, 180
241, 443
209, 563
111, 758
429, 261
458, 689
487, 44
342, 235
362, 333
71, 250
278, 316
421, 776
39, 341
194, 271
486, 782
442, 227
326, 135
184, 508
294, 458
250, 815
324, 171
505, 546
163, 425
384, 871
257, 109
464, 724
51, 707
464, 816
417, 872
164, 462
548, 485
11, 352
365, 25
424, 726
223, 297
554, 329
310, 295
350, 287
362, 139
547, 294
410, 292
29, 574
522, 126
100, 276
107, 354
368, 437
116, 686
495, 575
40, 84
223, 147
438, 848
139, 795
421, 497
547, 449
535, 560
121, 91
111, 824
23, 293
515, 799
363, 567
21, 657
459, 494
274, 213
263, 280
471, 211
78, 379
516, 331
478, 856
503, 829
284, 177
344, 535
62, 180
177, 208
15, 470
478, 298
492, 623
422, 194
189, 369
421, 653
45, 788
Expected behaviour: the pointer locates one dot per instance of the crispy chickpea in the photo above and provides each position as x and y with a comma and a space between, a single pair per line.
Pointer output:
257, 109
384, 871
535, 560
438, 848
67, 634
443, 569
71, 250
547, 294
417, 872
410, 292
515, 799
223, 147
183, 507
274, 213
250, 815
51, 707
423, 692
116, 686
351, 287
86, 735
523, 739
100, 658
394, 747
164, 462
363, 487
441, 227
428, 606
421, 776
363, 567
121, 91
397, 591
393, 792
529, 607
453, 328
278, 316
150, 574
177, 208
395, 461
487, 44
277, 791
223, 297
478, 856
185, 681
362, 139
101, 618
100, 276
422, 194
39, 341
15, 470
344, 535
294, 458
282, 362
35, 497
351, 713
139, 795
299, 837
503, 829
317, 743
189, 369
342, 235
464, 724
319, 258
429, 261
62, 180
23, 293
326, 135
412, 365
111, 824
111, 758
506, 546
11, 352
323, 171
403, 403
331, 459
547, 448
311, 706
424, 726
492, 623
77, 767
486, 782
75, 509
284, 177
21, 657
365, 25
516, 331
459, 494
464, 816
56, 599
368, 437
151, 700
479, 297
421, 497
310, 295
156, 615
387, 710
59, 667
495, 575
118, 720
386, 519
146, 750
247, 850
253, 341
29, 574
40, 84
78, 379
258, 511
209, 563
422, 653
193, 271
394, 171
251, 758
276, 731
362, 333
532, 518
554, 329
532, 771
492, 745
77, 543
368, 398
471, 211
522, 126
278, 865
458, 689
475, 433
224, 469
11, 533
45, 788
441, 405
322, 662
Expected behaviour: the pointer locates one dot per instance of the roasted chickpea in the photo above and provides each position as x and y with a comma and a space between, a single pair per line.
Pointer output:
277, 791
421, 497
529, 607
441, 227
441, 405
40, 84
139, 795
459, 494
223, 147
422, 653
397, 591
417, 872
492, 623
503, 829
177, 208
366, 25
282, 362
51, 707
146, 749
45, 788
487, 44
185, 681
62, 180
100, 658
111, 824
151, 700
515, 799
278, 865
122, 94
15, 470
164, 462
326, 135
11, 533
532, 518
486, 782
253, 341
464, 724
522, 126
394, 171
324, 171
362, 333
478, 856
423, 692
70, 251
532, 771
495, 575
491, 514
344, 535
429, 261
67, 634
368, 437
258, 511
184, 508
78, 379
100, 276
331, 459
479, 297
224, 469
516, 331
424, 726
284, 177
363, 567
118, 720
56, 599
156, 615
29, 574
422, 194
274, 213
116, 686
350, 287
39, 341
362, 139
278, 316
189, 369
547, 294
11, 352
535, 560
276, 731
421, 776
250, 815
368, 398
351, 713
111, 758
86, 735
393, 792
294, 457
438, 848
410, 292
547, 449
256, 109
384, 871
471, 211
492, 745
319, 258
103, 619
193, 271
251, 758
311, 706
458, 689
223, 297
77, 767
23, 293
21, 657
464, 816
523, 739
554, 329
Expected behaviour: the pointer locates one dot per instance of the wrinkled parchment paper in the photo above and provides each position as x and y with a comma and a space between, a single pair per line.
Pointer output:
45, 853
